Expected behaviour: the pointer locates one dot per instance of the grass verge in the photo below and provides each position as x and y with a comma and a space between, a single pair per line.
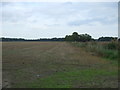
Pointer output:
108, 50
70, 79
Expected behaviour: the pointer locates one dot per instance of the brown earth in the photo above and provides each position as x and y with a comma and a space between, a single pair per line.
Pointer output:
42, 59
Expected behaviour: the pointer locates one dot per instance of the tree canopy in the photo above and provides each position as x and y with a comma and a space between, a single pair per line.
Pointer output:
78, 37
107, 38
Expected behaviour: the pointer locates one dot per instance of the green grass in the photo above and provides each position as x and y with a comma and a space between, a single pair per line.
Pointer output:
70, 78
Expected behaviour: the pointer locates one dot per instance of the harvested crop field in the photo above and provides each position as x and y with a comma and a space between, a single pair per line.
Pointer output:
55, 65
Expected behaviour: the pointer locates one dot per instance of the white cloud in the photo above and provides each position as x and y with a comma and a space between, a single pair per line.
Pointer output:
35, 20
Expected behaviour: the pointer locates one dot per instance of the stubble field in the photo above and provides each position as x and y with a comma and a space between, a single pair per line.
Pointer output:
55, 65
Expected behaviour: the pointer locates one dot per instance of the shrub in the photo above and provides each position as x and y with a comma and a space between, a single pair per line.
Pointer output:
107, 49
112, 45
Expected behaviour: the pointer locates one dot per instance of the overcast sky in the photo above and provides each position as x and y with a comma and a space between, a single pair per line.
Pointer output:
50, 19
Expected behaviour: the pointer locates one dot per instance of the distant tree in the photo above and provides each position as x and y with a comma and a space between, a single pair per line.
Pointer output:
105, 39
119, 39
75, 36
12, 39
85, 37
68, 38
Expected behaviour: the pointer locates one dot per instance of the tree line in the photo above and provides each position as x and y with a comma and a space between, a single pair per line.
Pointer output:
74, 37
86, 37
41, 39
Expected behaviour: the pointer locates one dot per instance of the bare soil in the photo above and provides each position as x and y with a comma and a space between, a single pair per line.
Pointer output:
28, 61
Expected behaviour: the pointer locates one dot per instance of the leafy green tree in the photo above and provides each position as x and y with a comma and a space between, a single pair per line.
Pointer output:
85, 37
75, 36
105, 39
68, 38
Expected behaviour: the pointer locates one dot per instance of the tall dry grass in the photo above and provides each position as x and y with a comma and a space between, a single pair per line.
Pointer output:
107, 50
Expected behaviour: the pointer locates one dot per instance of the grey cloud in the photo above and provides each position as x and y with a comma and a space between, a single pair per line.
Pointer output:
103, 20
